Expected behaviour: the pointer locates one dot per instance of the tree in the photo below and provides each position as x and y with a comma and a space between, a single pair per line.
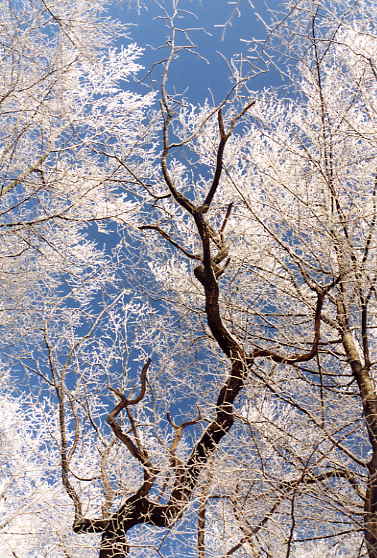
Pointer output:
239, 304
63, 100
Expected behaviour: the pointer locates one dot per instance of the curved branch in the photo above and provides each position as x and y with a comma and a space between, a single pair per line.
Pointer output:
169, 239
209, 440
224, 136
124, 401
136, 450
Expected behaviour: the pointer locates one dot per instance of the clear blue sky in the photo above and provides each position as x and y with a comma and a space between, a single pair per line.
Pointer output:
191, 73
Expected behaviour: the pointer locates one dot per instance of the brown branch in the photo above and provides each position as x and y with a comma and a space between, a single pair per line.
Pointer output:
227, 215
309, 479
224, 136
300, 357
202, 524
134, 176
206, 276
175, 461
106, 483
209, 440
187, 474
65, 456
169, 239
127, 441
136, 450
178, 196
303, 357
185, 483
219, 163
123, 400
135, 508
176, 464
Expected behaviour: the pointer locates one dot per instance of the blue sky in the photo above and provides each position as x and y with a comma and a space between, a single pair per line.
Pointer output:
197, 78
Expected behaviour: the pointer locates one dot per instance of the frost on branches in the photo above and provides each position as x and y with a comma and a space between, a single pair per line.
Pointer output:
64, 105
201, 382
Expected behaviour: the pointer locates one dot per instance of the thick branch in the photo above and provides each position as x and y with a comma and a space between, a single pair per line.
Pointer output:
224, 136
209, 440
219, 162
206, 276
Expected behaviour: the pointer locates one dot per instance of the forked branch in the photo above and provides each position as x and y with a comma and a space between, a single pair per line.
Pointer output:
135, 449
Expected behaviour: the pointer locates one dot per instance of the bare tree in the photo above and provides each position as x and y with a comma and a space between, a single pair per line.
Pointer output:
238, 305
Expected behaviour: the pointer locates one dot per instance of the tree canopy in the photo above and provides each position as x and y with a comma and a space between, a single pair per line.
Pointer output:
188, 346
